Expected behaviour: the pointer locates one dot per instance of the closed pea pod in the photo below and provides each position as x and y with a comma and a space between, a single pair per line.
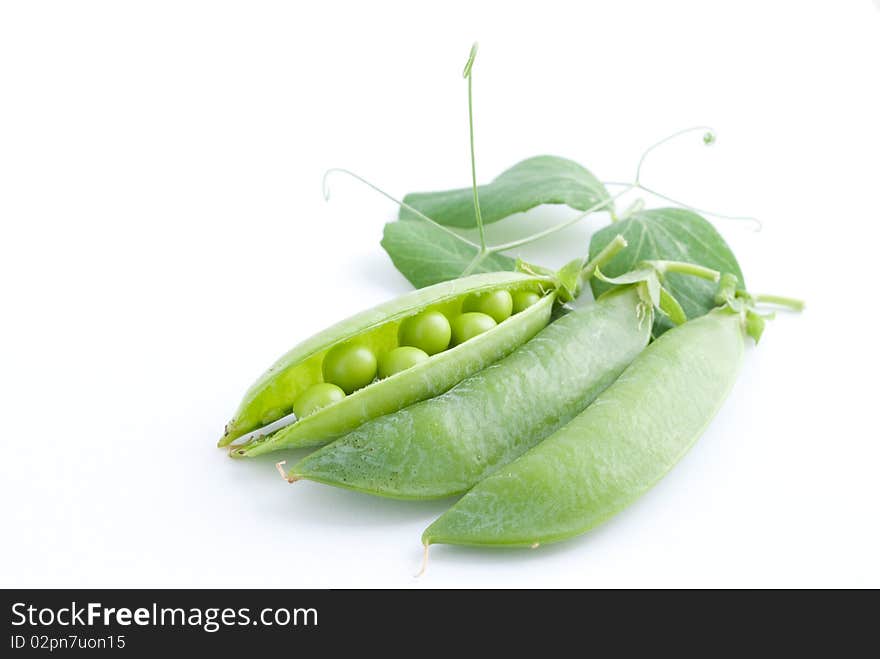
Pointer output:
614, 451
328, 356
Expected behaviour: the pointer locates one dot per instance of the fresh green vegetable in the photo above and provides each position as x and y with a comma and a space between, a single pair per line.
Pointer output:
350, 366
468, 325
523, 300
444, 445
614, 451
400, 359
339, 355
464, 398
497, 304
315, 397
428, 331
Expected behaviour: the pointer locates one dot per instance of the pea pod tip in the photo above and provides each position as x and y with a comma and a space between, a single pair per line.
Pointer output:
424, 567
289, 477
226, 438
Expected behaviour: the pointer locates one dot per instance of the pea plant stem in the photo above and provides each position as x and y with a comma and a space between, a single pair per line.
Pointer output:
488, 251
402, 204
483, 253
477, 214
779, 300
478, 258
558, 227
636, 207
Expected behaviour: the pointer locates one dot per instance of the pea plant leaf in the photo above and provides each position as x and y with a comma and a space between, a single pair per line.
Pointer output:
530, 183
427, 255
671, 234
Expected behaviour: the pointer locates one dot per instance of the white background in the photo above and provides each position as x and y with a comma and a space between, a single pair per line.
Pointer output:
164, 238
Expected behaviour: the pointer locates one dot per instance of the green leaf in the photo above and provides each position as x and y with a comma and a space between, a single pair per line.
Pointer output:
530, 183
672, 234
427, 255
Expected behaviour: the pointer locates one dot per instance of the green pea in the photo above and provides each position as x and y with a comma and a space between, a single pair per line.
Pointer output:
400, 359
315, 397
498, 304
428, 331
613, 452
350, 366
524, 299
470, 324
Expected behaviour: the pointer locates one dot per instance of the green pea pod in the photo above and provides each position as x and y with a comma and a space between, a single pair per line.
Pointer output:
444, 445
271, 397
614, 451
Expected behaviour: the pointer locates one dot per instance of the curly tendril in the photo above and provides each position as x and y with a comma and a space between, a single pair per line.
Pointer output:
709, 138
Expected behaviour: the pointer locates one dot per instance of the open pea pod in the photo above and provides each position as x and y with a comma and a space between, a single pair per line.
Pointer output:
273, 395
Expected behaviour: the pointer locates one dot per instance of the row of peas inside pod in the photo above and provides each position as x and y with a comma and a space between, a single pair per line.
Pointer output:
352, 366
383, 359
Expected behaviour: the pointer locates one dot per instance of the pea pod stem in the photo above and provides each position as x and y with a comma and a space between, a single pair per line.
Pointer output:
424, 566
680, 267
280, 467
788, 302
601, 259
